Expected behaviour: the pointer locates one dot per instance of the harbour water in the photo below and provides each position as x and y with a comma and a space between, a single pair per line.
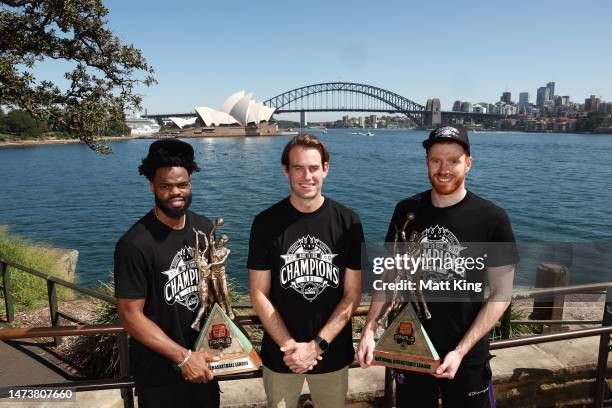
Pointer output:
555, 188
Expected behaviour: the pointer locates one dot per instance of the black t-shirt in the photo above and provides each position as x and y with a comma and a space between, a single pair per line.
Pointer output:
473, 228
155, 262
307, 254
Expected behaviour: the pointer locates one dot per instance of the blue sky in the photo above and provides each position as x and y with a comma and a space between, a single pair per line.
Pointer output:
204, 51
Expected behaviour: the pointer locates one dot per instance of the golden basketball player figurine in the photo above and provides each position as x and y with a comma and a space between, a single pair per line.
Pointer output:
204, 270
395, 305
212, 273
218, 256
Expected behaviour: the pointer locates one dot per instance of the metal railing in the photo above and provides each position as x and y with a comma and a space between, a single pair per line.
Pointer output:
126, 384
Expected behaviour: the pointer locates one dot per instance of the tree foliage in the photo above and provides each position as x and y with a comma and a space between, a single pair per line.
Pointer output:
101, 85
592, 121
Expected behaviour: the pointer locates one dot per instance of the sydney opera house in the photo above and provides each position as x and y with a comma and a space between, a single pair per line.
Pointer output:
239, 115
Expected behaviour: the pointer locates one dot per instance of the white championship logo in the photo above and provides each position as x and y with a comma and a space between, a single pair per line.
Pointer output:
309, 268
440, 250
183, 277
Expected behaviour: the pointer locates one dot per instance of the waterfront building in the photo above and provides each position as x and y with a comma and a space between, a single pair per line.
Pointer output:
591, 104
506, 97
565, 100
479, 108
457, 106
491, 108
466, 107
345, 121
239, 115
558, 100
373, 121
361, 122
523, 99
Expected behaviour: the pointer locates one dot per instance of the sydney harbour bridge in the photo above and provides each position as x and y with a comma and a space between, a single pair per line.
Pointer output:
355, 97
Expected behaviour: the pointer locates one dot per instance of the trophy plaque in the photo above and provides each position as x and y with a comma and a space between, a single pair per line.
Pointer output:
221, 337
405, 345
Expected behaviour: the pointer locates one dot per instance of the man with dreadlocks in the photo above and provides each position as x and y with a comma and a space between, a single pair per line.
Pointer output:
156, 280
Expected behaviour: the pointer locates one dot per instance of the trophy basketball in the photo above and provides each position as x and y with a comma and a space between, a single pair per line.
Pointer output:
405, 344
220, 336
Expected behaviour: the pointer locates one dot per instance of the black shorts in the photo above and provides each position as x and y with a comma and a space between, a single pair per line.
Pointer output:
471, 388
179, 395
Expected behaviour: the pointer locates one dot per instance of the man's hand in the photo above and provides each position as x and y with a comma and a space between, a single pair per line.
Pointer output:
365, 348
449, 366
301, 357
196, 369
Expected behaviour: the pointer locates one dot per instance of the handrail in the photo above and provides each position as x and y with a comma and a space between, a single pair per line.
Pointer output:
112, 329
104, 384
517, 295
561, 290
246, 320
62, 282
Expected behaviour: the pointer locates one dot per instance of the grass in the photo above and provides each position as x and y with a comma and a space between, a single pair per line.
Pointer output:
516, 330
28, 291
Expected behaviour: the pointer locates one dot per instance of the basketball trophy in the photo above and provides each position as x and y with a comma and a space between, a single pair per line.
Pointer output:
220, 336
405, 344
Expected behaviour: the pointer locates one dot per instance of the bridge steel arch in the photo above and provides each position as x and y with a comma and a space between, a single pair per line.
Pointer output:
345, 97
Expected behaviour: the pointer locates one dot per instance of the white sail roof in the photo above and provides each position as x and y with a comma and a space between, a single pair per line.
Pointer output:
212, 117
240, 111
181, 122
266, 112
231, 101
238, 108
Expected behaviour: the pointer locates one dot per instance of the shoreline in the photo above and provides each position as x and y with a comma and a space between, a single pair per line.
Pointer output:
49, 142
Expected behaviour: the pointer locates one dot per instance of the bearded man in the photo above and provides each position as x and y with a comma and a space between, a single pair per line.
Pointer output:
156, 279
450, 223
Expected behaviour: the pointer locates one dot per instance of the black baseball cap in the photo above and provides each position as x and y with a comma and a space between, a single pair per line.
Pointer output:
448, 134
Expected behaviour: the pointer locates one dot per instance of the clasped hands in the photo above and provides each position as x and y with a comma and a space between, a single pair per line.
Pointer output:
301, 357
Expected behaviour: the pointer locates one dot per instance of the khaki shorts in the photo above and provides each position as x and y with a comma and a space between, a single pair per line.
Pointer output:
327, 390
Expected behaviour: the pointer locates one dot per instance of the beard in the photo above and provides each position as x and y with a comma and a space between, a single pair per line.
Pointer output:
173, 212
446, 188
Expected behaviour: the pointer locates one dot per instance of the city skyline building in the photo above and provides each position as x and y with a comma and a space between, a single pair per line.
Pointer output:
551, 90
542, 96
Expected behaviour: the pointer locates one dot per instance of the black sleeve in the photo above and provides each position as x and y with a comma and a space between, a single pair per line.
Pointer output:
259, 248
130, 272
357, 258
502, 246
397, 214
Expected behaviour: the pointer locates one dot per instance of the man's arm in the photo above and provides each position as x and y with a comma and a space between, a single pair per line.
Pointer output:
365, 348
336, 322
152, 336
259, 288
500, 282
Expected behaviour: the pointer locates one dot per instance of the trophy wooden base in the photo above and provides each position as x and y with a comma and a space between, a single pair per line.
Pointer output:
220, 336
405, 345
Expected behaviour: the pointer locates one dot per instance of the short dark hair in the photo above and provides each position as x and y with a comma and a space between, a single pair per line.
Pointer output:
168, 153
306, 140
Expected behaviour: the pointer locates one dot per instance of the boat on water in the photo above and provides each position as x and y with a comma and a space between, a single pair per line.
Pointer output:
324, 130
141, 126
369, 134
